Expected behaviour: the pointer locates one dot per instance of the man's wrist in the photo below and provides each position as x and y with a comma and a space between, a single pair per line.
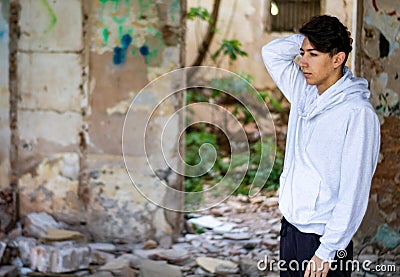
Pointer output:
325, 253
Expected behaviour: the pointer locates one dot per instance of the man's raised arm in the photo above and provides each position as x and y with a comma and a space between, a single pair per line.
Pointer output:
278, 57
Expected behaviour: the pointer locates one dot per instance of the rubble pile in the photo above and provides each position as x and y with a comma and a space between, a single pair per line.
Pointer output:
236, 238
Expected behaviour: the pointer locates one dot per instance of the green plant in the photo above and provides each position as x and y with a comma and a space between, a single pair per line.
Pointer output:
230, 48
228, 91
195, 138
199, 12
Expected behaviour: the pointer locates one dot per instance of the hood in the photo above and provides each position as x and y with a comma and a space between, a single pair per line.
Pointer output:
347, 87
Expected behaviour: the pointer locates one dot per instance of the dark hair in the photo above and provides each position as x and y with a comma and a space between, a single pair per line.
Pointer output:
328, 35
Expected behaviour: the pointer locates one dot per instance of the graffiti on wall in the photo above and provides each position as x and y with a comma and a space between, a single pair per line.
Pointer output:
51, 14
130, 27
382, 29
391, 11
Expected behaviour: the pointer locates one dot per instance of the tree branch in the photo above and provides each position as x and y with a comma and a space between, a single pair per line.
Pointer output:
209, 35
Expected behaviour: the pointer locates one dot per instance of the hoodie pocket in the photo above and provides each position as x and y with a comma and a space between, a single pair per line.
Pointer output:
305, 190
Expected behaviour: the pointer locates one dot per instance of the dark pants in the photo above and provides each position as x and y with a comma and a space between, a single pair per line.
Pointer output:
300, 247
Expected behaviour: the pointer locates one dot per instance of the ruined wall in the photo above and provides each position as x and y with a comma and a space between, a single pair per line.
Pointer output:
380, 65
245, 21
4, 96
80, 65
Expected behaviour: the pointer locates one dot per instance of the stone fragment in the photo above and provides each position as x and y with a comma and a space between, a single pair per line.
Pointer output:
220, 211
134, 261
102, 274
251, 244
166, 242
149, 244
206, 221
226, 269
238, 207
242, 198
118, 267
190, 237
224, 228
270, 243
257, 199
271, 202
25, 271
60, 257
16, 232
248, 267
237, 236
106, 247
3, 247
202, 272
146, 253
54, 234
98, 257
36, 224
276, 229
172, 255
8, 271
150, 268
210, 264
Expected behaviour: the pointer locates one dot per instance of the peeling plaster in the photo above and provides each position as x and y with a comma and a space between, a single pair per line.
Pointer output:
386, 100
388, 25
53, 188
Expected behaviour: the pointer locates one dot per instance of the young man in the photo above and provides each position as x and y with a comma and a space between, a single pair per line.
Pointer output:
331, 150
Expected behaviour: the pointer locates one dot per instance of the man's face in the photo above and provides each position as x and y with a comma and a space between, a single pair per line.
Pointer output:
319, 68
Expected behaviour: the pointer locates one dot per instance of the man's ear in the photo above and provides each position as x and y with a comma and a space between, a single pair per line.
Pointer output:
338, 59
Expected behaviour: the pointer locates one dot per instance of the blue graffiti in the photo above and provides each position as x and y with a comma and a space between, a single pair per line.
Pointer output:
120, 52
126, 41
2, 33
144, 50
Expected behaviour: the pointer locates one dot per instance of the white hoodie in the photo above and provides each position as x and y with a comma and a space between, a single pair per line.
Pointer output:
332, 150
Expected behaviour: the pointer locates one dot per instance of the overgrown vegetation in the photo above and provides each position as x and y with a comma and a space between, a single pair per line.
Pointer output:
200, 134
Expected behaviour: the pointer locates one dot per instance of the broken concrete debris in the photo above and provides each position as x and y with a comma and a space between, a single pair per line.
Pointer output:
36, 224
58, 258
9, 271
230, 243
211, 265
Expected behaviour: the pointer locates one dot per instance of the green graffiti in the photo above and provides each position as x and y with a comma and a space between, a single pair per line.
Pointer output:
145, 5
52, 15
174, 9
106, 35
116, 8
155, 43
120, 11
120, 31
123, 18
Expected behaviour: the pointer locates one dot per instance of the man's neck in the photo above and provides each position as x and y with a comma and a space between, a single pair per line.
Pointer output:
335, 77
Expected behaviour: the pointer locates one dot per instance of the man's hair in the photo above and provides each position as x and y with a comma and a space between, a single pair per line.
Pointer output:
328, 35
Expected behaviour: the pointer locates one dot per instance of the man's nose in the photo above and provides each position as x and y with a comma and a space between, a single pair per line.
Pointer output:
303, 62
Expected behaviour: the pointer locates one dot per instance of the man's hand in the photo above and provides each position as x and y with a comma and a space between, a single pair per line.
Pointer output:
351, 39
317, 268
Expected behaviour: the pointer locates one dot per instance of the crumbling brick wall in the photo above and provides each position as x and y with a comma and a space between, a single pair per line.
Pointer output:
380, 55
78, 66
